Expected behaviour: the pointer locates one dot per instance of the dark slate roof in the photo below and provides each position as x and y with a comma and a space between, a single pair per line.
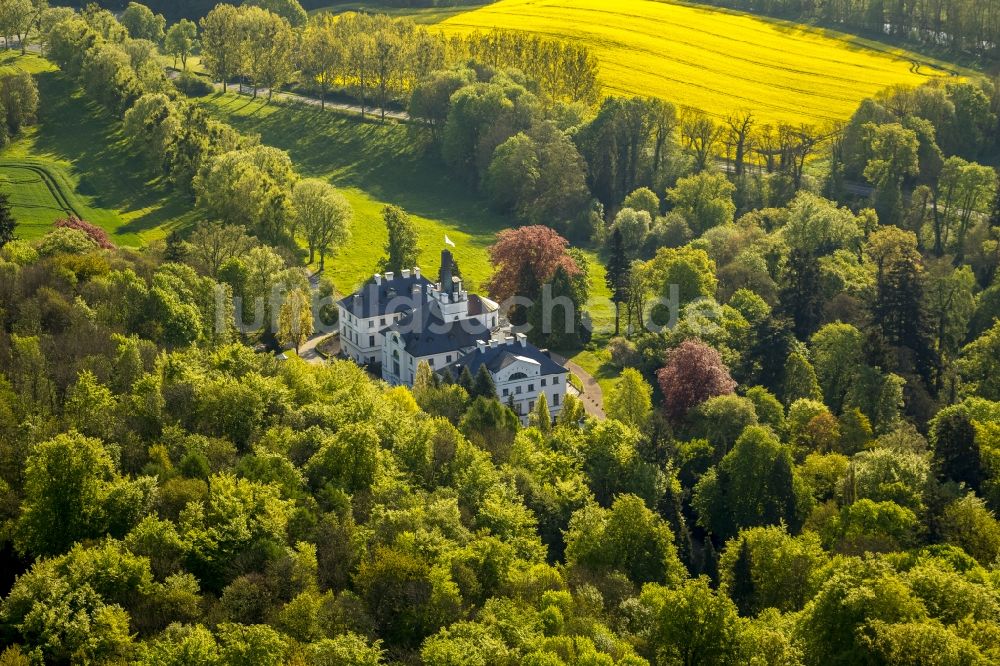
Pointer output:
390, 297
497, 358
424, 332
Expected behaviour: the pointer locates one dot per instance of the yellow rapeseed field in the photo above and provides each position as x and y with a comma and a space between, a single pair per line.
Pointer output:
714, 60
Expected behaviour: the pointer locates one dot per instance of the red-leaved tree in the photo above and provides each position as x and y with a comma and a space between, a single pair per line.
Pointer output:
694, 372
526, 258
99, 235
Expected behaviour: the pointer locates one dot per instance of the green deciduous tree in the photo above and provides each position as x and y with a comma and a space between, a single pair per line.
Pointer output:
291, 10
17, 18
893, 158
220, 43
775, 569
627, 538
409, 600
19, 97
72, 492
692, 624
181, 40
295, 319
687, 272
704, 200
322, 214
754, 485
800, 380
142, 23
979, 364
321, 54
249, 187
631, 400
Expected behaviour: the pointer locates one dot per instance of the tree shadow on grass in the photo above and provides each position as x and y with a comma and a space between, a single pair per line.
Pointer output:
384, 160
75, 130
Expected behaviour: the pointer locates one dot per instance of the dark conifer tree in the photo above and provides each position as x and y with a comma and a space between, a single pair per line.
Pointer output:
7, 221
899, 311
483, 385
466, 381
956, 452
801, 296
174, 252
742, 589
617, 276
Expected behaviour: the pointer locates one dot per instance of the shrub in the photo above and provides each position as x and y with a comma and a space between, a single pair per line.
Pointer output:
65, 240
193, 85
98, 235
623, 353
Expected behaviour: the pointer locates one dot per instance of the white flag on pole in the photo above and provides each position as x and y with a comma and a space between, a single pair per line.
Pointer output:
448, 241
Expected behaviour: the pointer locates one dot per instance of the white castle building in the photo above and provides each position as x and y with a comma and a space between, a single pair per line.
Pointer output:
393, 322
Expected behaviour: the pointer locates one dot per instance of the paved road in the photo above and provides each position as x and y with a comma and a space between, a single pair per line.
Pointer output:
307, 351
370, 111
592, 397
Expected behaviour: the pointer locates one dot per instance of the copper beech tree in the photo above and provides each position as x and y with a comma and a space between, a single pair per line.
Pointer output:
525, 259
694, 372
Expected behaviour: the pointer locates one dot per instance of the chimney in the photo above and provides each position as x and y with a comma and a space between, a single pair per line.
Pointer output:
493, 344
481, 346
508, 340
378, 278
445, 275
388, 276
522, 339
406, 273
416, 272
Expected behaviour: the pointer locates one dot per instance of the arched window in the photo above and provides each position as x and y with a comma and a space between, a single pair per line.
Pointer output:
517, 375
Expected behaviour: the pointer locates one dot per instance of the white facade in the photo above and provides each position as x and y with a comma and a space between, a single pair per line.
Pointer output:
521, 381
400, 367
399, 321
361, 338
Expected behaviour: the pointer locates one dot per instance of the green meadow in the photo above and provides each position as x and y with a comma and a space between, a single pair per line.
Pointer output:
74, 161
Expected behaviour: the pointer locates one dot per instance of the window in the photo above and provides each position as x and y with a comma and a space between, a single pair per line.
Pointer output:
517, 375
555, 380
543, 381
531, 387
381, 322
531, 406
447, 359
371, 324
506, 392
371, 340
395, 368
555, 399
517, 390
430, 362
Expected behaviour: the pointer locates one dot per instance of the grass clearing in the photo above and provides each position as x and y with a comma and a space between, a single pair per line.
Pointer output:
598, 364
709, 58
373, 165
75, 158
